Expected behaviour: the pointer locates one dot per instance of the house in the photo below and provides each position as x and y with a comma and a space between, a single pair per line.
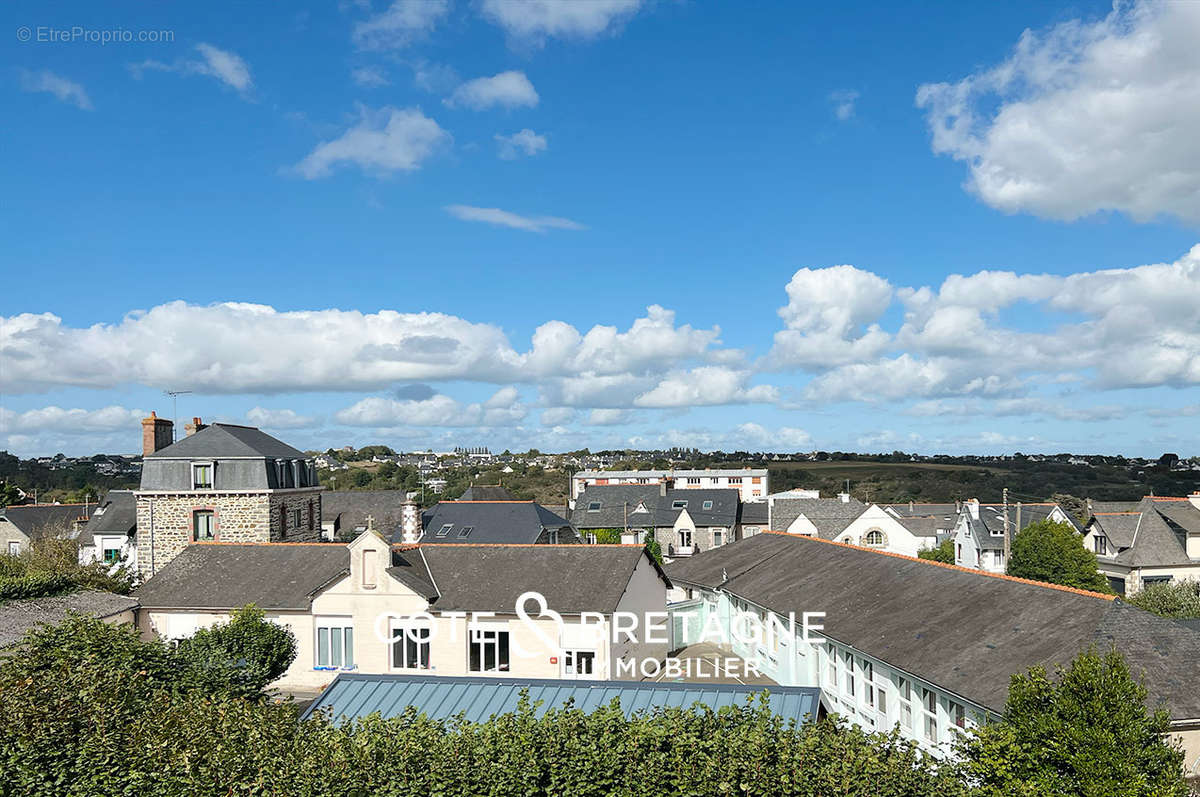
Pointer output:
220, 483
1146, 542
876, 528
344, 513
111, 535
941, 518
508, 522
751, 483
923, 646
18, 617
353, 696
814, 517
848, 520
684, 521
373, 607
20, 525
754, 517
979, 533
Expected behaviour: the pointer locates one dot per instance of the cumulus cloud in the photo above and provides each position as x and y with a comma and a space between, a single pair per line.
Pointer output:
534, 20
705, 386
279, 419
69, 421
509, 89
608, 417
502, 409
557, 416
400, 24
515, 221
381, 143
830, 318
223, 65
523, 142
843, 103
1083, 117
67, 91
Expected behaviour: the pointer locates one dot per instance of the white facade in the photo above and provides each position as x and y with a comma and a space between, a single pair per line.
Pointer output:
876, 528
752, 484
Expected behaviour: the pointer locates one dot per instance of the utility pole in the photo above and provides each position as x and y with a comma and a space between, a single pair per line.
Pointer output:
1007, 546
175, 394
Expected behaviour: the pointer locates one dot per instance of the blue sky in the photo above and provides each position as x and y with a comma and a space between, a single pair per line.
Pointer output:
605, 223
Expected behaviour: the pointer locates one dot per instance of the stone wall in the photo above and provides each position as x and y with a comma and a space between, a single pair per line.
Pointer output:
308, 531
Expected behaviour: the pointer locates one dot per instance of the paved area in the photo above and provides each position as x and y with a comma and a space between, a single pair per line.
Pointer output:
704, 662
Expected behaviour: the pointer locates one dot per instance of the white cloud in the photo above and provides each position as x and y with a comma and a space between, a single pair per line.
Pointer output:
704, 386
67, 91
399, 25
69, 421
279, 419
226, 66
608, 417
504, 218
1083, 117
382, 142
509, 89
557, 416
523, 142
756, 437
502, 409
830, 318
534, 20
843, 103
370, 77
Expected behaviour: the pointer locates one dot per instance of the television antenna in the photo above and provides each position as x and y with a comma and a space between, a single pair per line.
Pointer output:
175, 394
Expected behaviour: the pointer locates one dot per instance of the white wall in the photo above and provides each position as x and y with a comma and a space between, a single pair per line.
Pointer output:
897, 538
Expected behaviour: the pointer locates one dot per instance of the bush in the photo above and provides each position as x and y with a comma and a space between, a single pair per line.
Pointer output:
607, 536
653, 547
33, 585
242, 656
1176, 599
1054, 552
942, 553
50, 566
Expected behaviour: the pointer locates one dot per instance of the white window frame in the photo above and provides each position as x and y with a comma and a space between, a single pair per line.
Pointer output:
339, 634
422, 639
106, 544
444, 531
211, 475
882, 538
718, 536
552, 536
846, 667
707, 505
904, 703
487, 638
573, 658
929, 716
14, 547
690, 537
212, 515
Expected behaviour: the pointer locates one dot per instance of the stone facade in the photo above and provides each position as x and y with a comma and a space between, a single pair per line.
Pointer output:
164, 520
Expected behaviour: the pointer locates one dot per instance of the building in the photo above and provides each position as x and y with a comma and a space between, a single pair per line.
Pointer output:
18, 617
20, 525
1151, 541
111, 535
752, 484
813, 517
979, 533
353, 696
506, 522
220, 483
923, 646
345, 513
684, 521
372, 607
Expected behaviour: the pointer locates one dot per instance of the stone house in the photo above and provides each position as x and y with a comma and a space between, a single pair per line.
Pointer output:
220, 483
20, 525
1145, 542
684, 521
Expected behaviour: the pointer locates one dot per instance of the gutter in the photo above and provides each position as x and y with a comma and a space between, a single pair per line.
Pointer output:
432, 580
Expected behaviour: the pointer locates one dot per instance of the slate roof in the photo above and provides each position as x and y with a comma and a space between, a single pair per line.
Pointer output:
831, 516
754, 513
1148, 533
348, 509
224, 575
19, 617
914, 509
493, 521
925, 526
40, 520
220, 440
963, 630
486, 492
660, 509
352, 696
573, 578
116, 514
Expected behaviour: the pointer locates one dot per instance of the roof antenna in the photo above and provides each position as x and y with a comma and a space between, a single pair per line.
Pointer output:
175, 394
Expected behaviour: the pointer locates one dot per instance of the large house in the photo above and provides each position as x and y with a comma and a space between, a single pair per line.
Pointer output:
979, 533
510, 522
20, 525
923, 646
372, 607
345, 513
220, 483
846, 519
752, 484
684, 521
1145, 542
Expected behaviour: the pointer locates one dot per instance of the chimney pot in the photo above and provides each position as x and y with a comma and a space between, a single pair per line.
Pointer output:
193, 427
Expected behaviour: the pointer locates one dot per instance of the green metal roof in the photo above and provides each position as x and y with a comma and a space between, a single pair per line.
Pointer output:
352, 696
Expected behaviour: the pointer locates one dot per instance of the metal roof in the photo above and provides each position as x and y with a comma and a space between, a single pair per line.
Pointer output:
352, 696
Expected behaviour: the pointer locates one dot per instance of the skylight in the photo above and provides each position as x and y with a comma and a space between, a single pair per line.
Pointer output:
466, 531
707, 505
679, 504
444, 530
594, 506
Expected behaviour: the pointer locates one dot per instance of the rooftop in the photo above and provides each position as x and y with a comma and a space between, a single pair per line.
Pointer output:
227, 440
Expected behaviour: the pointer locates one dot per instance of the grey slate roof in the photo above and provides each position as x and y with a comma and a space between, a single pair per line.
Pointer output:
754, 513
222, 440
348, 509
224, 575
353, 696
913, 509
1148, 533
573, 578
831, 516
493, 521
116, 514
660, 509
965, 631
40, 520
486, 492
19, 617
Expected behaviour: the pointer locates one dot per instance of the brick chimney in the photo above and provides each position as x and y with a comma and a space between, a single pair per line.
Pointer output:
193, 427
410, 521
157, 433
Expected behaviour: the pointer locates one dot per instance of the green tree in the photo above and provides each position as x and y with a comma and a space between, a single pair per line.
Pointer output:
1054, 552
942, 553
1085, 732
653, 547
9, 494
1176, 599
243, 655
607, 536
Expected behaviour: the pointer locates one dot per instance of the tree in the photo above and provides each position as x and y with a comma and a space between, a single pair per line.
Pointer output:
243, 655
1086, 732
607, 536
1053, 552
9, 494
1176, 599
942, 553
653, 547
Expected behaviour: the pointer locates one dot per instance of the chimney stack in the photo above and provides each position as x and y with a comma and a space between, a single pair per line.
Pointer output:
193, 427
410, 522
157, 433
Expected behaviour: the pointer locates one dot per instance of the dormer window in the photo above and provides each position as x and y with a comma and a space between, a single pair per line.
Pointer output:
202, 475
1101, 544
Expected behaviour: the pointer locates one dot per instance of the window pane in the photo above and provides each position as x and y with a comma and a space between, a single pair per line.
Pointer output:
349, 662
322, 647
335, 648
502, 662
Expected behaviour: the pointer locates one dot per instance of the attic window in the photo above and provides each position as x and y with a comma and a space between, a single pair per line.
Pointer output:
445, 530
681, 504
707, 505
594, 506
202, 473
465, 532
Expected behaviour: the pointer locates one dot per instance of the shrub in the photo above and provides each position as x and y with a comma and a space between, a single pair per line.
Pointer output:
243, 655
1176, 599
942, 553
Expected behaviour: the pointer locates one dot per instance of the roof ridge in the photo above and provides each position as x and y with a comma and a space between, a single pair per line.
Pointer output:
487, 501
273, 542
946, 565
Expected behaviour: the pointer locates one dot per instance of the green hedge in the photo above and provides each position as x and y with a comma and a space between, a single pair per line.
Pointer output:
34, 585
